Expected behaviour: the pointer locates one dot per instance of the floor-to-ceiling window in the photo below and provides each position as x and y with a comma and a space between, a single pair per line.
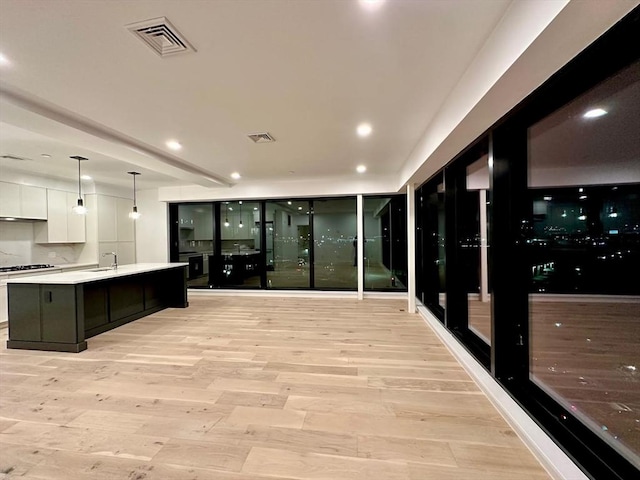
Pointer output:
468, 309
475, 244
239, 262
550, 197
584, 243
288, 248
196, 243
430, 245
334, 247
385, 243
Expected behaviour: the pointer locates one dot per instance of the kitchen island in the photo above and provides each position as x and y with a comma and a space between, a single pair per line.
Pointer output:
58, 312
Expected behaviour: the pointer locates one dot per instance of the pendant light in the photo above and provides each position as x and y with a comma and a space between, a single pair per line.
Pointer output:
79, 208
133, 214
226, 214
240, 224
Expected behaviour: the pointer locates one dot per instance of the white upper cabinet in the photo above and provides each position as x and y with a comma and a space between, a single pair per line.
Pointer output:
62, 225
124, 224
23, 201
107, 219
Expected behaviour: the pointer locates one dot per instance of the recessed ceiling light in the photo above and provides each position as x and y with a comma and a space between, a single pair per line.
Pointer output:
364, 129
371, 4
10, 219
235, 176
45, 155
361, 169
174, 145
86, 177
4, 60
595, 113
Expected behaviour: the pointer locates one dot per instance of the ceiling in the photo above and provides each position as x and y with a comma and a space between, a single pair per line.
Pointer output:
78, 82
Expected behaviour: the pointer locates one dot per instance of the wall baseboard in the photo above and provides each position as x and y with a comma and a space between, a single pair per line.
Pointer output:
548, 453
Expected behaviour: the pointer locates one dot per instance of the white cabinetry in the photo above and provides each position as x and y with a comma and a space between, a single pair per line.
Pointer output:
116, 231
62, 225
23, 201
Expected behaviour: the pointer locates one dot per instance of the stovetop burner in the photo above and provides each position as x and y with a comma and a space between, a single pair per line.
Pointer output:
19, 268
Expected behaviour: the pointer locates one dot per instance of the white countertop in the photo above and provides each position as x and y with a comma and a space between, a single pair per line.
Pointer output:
85, 276
52, 269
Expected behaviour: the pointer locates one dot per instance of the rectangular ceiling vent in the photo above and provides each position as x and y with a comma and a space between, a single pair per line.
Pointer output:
9, 156
161, 36
262, 137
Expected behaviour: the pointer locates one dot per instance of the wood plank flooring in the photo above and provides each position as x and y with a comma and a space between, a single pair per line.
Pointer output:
255, 389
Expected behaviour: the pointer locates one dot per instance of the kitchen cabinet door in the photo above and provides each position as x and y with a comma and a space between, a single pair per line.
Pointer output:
9, 199
126, 253
124, 224
58, 305
76, 224
62, 225
107, 213
55, 230
33, 202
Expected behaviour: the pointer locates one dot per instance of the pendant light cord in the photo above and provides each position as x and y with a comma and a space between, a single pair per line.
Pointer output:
79, 181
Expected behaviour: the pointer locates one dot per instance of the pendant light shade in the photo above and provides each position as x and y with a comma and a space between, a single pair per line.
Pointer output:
226, 214
134, 214
79, 208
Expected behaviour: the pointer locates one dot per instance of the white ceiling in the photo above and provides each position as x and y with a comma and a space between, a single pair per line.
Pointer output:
308, 72
428, 75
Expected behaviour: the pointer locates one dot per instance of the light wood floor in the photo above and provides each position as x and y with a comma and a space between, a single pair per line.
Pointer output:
255, 389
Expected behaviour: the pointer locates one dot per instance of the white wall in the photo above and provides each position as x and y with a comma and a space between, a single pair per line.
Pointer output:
528, 46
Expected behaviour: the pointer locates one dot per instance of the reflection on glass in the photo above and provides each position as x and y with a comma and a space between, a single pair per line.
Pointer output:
334, 232
287, 247
240, 244
475, 248
385, 247
584, 251
196, 244
430, 243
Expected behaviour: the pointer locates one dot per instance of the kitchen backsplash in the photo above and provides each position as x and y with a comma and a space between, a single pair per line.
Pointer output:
17, 247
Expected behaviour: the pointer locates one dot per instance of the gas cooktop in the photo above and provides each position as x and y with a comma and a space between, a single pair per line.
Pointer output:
19, 268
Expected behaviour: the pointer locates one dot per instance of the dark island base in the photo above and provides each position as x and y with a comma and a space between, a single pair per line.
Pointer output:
60, 317
49, 346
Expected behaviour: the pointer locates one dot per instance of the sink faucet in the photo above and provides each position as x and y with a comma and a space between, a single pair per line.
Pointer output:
114, 265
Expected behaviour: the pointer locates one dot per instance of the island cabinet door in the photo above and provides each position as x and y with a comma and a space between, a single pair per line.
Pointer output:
24, 313
96, 306
126, 298
59, 315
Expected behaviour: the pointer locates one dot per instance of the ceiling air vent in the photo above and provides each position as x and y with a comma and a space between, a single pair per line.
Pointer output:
161, 36
8, 156
263, 137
